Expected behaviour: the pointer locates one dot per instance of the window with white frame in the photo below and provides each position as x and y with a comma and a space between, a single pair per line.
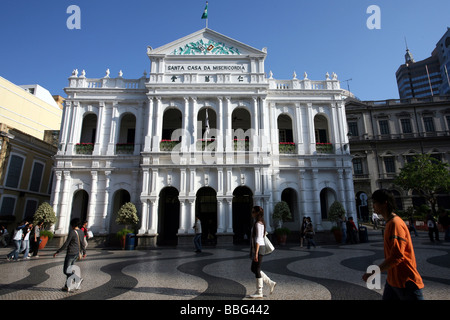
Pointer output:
428, 124
7, 206
14, 171
36, 176
384, 126
406, 125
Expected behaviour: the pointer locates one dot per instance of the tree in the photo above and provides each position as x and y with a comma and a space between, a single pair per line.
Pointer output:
336, 212
127, 215
281, 212
426, 175
45, 213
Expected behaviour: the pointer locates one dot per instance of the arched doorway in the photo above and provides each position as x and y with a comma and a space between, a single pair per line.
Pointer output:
327, 197
171, 122
290, 197
127, 134
80, 205
89, 128
240, 123
120, 197
168, 216
206, 210
242, 214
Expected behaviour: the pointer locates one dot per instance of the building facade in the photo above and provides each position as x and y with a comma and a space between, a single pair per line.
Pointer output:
428, 77
384, 135
206, 133
30, 120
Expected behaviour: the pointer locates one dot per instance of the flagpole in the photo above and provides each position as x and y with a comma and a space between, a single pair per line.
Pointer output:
205, 14
446, 72
429, 81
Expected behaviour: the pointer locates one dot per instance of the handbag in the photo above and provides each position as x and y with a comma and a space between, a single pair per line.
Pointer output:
268, 246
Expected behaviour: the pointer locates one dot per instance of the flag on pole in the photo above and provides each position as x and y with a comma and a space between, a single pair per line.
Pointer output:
205, 12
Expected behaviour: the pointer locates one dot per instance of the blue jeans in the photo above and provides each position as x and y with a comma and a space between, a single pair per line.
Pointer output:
68, 261
410, 292
25, 247
15, 252
198, 241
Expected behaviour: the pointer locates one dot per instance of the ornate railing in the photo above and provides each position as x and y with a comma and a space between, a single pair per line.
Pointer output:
168, 145
84, 148
324, 147
124, 148
287, 147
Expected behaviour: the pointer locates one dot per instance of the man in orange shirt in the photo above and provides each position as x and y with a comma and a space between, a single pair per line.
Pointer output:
403, 281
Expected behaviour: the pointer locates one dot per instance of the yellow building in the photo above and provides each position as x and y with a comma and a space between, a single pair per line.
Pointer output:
30, 109
30, 120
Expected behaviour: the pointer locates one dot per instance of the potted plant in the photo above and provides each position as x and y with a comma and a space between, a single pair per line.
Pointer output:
335, 215
45, 236
281, 213
45, 214
281, 234
127, 215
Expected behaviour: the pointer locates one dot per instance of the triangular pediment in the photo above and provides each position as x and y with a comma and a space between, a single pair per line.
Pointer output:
205, 42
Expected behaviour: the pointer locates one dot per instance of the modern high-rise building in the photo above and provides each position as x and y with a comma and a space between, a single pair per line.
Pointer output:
428, 77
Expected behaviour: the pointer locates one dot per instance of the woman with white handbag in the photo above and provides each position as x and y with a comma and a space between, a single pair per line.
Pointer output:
257, 252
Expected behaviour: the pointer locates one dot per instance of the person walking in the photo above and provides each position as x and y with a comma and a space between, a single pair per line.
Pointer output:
85, 231
198, 235
375, 219
17, 238
302, 232
25, 247
309, 233
403, 280
257, 252
432, 228
36, 239
75, 247
343, 223
412, 225
351, 231
4, 236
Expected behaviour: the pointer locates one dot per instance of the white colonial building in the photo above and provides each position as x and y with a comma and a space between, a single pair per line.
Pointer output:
205, 133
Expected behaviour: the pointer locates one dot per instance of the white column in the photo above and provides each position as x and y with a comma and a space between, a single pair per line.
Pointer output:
229, 223
104, 227
153, 217
139, 129
312, 135
220, 131
316, 200
144, 217
186, 144
299, 134
92, 198
182, 228
158, 125
149, 128
65, 128
220, 216
229, 145
63, 224
195, 135
100, 129
255, 140
112, 134
56, 192
73, 124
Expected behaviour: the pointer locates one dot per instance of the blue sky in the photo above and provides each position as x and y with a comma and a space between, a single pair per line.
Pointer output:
314, 36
